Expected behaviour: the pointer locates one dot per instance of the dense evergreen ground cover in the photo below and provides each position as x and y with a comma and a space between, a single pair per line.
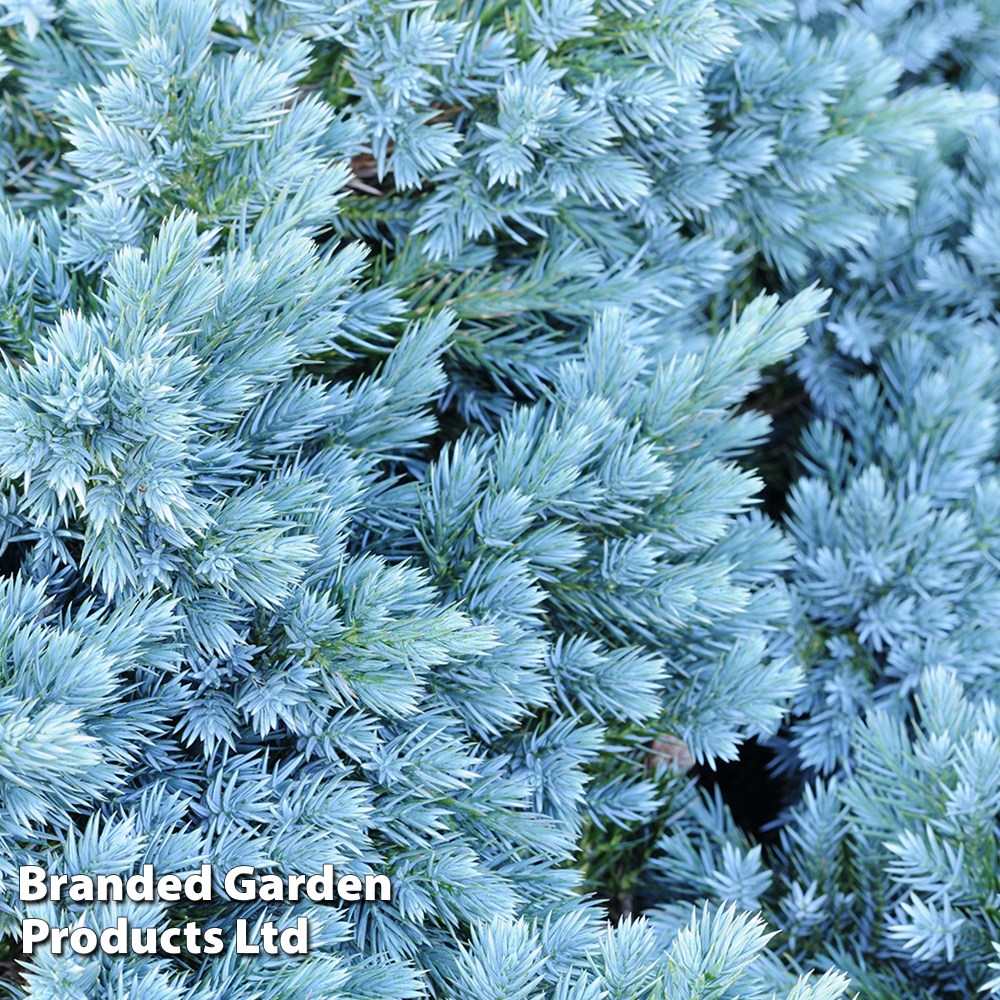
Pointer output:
384, 390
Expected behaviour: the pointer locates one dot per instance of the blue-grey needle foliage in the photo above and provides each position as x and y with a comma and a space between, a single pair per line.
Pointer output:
376, 485
887, 867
